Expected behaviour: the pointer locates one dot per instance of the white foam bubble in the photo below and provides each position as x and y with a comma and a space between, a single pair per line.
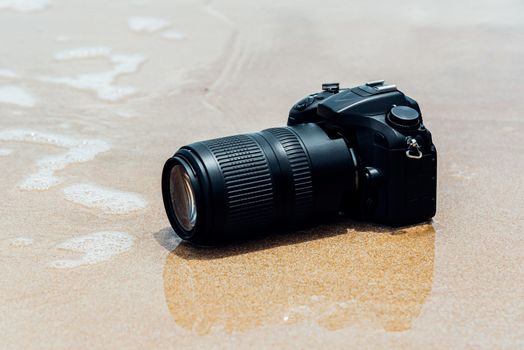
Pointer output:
126, 114
173, 34
11, 94
79, 150
5, 152
7, 73
62, 38
24, 5
107, 199
101, 83
147, 24
21, 242
97, 247
83, 52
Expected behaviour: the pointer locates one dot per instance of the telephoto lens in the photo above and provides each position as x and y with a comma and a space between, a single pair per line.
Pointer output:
240, 186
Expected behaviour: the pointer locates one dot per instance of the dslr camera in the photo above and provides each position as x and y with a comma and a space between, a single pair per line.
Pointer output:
363, 152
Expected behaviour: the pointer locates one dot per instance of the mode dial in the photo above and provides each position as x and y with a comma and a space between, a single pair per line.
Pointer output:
403, 116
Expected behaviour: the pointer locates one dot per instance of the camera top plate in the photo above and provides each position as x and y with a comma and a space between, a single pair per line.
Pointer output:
374, 105
372, 98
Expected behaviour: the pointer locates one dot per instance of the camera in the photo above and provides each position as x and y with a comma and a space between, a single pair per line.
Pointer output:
363, 152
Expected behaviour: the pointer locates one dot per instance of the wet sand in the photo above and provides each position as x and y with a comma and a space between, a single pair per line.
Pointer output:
95, 96
349, 278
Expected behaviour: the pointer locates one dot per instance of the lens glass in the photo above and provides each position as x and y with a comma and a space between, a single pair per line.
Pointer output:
182, 197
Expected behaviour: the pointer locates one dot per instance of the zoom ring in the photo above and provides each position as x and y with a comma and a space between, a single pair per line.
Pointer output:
300, 167
247, 178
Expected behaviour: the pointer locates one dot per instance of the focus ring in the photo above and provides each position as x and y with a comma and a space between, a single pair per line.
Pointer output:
247, 179
300, 167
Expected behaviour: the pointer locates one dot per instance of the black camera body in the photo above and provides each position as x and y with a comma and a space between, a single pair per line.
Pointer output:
396, 158
361, 151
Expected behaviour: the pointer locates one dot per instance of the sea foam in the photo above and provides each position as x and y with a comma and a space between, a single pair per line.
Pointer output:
83, 52
11, 94
173, 34
24, 5
62, 38
21, 242
7, 73
78, 150
126, 114
97, 247
107, 199
102, 83
5, 152
147, 24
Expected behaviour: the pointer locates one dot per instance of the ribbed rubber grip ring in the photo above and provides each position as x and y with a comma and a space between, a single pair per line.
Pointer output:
247, 177
300, 167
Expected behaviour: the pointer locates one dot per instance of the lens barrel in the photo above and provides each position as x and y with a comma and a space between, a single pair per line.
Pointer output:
240, 186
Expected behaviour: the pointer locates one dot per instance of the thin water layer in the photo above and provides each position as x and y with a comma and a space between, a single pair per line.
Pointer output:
335, 277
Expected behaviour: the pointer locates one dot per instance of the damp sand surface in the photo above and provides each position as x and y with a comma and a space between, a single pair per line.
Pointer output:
89, 113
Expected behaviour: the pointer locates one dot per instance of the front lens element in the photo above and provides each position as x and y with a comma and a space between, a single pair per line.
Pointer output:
182, 197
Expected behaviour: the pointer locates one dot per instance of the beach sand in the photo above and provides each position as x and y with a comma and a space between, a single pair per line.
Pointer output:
95, 96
